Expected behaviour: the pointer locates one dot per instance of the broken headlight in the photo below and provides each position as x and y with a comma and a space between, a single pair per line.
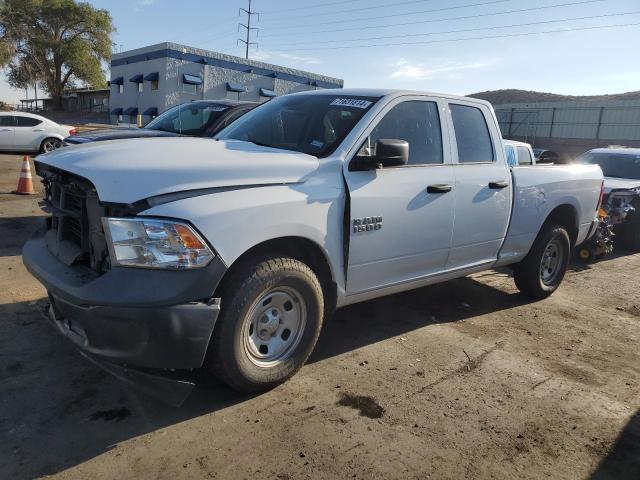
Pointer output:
154, 243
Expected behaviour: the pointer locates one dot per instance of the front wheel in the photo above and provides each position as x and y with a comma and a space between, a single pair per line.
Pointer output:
272, 311
542, 270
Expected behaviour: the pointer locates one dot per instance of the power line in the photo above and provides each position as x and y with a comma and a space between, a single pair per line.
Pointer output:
250, 13
468, 38
432, 10
387, 37
306, 7
368, 7
437, 20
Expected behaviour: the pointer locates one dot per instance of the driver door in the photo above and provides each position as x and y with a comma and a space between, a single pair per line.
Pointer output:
401, 218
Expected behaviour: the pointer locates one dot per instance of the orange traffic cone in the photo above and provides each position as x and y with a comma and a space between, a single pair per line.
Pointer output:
25, 182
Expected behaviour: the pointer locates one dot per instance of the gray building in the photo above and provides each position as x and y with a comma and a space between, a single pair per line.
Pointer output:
147, 81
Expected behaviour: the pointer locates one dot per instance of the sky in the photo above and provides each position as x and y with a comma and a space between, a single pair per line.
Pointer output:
559, 46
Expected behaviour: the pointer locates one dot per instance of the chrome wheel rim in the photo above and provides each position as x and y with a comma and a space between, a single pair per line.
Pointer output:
551, 263
274, 326
51, 145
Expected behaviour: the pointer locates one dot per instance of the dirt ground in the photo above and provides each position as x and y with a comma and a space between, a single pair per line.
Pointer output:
465, 379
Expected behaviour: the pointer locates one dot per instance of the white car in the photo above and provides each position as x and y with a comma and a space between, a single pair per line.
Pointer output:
26, 132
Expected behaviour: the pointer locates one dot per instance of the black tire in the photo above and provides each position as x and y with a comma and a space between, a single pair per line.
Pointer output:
631, 233
529, 275
49, 142
230, 357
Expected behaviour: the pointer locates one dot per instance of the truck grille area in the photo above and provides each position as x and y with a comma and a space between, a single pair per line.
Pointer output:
74, 231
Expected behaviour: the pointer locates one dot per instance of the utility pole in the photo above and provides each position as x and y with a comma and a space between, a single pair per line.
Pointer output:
248, 28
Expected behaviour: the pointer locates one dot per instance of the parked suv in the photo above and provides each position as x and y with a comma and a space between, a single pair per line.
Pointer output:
201, 118
174, 253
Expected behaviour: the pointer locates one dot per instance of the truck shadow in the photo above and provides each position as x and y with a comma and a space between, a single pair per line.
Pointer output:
59, 410
623, 461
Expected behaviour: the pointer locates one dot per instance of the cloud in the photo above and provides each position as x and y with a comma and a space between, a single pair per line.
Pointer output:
275, 56
144, 3
419, 71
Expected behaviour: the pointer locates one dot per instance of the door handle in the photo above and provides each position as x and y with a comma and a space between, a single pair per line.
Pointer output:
5, 130
38, 130
498, 185
441, 188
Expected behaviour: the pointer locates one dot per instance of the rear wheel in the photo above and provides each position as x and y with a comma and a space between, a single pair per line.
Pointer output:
272, 311
542, 270
49, 145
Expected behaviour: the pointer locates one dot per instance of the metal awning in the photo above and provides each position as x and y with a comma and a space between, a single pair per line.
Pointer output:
116, 111
131, 111
117, 81
236, 87
191, 79
136, 78
152, 77
151, 111
265, 92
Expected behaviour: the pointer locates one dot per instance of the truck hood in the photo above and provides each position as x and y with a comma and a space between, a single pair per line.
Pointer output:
611, 183
125, 171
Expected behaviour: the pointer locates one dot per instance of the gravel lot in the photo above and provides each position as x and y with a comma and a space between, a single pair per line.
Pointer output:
465, 379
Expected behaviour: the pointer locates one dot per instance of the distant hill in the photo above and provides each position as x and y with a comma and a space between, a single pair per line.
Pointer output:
500, 97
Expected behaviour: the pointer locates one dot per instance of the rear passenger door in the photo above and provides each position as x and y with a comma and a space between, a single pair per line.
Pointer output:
400, 229
482, 184
28, 132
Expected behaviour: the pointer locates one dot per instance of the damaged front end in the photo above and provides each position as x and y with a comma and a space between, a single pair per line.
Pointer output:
149, 327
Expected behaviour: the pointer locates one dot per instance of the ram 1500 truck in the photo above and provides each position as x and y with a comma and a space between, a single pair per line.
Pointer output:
171, 254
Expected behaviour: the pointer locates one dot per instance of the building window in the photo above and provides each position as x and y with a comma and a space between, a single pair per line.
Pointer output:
154, 84
189, 88
120, 88
140, 87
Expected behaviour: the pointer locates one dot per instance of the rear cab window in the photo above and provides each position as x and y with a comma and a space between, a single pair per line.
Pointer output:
472, 135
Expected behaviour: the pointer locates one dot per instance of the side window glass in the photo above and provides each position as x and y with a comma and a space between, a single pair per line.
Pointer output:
524, 157
416, 122
472, 135
7, 121
27, 121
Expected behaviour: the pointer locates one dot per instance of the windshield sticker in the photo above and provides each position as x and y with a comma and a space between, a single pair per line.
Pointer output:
317, 144
351, 102
216, 109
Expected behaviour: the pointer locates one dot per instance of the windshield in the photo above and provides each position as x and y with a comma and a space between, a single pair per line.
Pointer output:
617, 165
188, 119
311, 124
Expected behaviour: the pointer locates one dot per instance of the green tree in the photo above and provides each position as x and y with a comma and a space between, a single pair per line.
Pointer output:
55, 43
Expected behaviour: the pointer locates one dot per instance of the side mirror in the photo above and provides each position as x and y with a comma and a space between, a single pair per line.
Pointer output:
389, 153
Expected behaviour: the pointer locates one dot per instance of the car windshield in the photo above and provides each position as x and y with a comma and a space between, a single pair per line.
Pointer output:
188, 119
617, 165
311, 124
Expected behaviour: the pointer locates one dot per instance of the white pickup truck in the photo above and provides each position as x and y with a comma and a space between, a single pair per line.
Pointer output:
171, 254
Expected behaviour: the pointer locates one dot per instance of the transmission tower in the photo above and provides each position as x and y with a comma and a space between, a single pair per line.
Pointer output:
247, 41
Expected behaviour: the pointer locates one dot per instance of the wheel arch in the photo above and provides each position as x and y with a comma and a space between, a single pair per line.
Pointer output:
565, 215
300, 248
